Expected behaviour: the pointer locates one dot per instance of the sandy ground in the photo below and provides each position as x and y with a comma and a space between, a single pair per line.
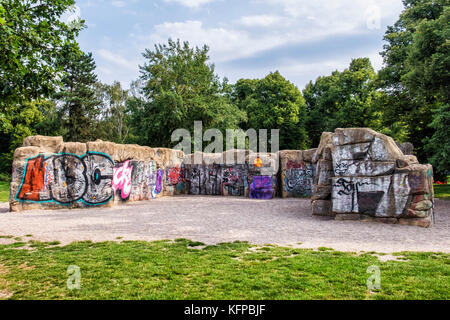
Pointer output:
214, 220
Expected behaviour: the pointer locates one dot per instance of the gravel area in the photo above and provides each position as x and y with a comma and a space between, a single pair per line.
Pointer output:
214, 220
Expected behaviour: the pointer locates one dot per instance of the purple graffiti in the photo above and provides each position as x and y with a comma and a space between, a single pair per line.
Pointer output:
159, 178
262, 188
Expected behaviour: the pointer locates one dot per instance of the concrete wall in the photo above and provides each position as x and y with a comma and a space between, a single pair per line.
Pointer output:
362, 174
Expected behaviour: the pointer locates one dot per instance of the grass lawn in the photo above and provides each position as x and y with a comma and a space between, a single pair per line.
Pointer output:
4, 191
442, 191
178, 270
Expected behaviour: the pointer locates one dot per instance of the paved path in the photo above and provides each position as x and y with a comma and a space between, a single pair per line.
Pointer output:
218, 219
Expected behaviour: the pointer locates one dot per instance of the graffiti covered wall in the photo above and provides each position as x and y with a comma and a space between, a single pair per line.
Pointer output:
254, 177
48, 173
364, 175
354, 174
297, 173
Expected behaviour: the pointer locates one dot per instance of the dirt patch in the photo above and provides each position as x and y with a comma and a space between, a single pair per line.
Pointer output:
214, 220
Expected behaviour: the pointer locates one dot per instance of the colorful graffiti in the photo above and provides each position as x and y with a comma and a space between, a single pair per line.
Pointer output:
262, 187
234, 180
299, 179
174, 175
67, 178
143, 180
122, 179
137, 180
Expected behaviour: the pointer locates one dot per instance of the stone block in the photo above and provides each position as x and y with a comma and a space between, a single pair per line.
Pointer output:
73, 148
45, 144
421, 222
347, 217
322, 208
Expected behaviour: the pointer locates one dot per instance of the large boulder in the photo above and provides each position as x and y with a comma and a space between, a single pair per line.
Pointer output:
297, 173
369, 176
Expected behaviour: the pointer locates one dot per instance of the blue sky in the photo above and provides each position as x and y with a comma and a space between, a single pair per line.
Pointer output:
302, 39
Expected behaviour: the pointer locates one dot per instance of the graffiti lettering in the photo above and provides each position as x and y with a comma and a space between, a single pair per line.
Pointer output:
299, 179
68, 178
122, 179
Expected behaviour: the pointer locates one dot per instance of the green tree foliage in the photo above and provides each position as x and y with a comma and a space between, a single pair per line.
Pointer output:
114, 124
273, 103
32, 38
438, 145
178, 88
416, 76
77, 97
20, 124
341, 100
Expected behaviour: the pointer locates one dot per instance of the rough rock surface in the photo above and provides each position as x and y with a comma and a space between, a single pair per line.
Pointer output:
369, 176
354, 174
297, 173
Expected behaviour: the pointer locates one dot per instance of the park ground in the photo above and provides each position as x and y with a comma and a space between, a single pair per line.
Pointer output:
282, 252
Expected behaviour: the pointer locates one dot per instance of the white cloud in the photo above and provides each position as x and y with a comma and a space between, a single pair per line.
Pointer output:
300, 21
113, 66
190, 3
343, 14
293, 23
119, 4
260, 20
225, 43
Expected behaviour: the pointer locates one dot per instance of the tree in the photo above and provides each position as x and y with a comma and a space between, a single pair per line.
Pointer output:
180, 87
416, 76
32, 38
273, 103
21, 122
77, 97
341, 100
114, 124
439, 145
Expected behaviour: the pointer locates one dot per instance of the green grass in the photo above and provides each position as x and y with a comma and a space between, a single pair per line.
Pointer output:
4, 191
177, 270
442, 191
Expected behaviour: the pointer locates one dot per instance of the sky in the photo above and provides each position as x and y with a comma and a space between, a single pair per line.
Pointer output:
302, 39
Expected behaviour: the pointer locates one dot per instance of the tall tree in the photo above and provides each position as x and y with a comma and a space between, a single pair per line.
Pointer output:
438, 145
341, 100
274, 103
32, 38
416, 75
114, 123
179, 87
78, 97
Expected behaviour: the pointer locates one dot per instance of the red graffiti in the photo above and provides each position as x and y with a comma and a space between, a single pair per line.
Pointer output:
296, 165
33, 182
175, 176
